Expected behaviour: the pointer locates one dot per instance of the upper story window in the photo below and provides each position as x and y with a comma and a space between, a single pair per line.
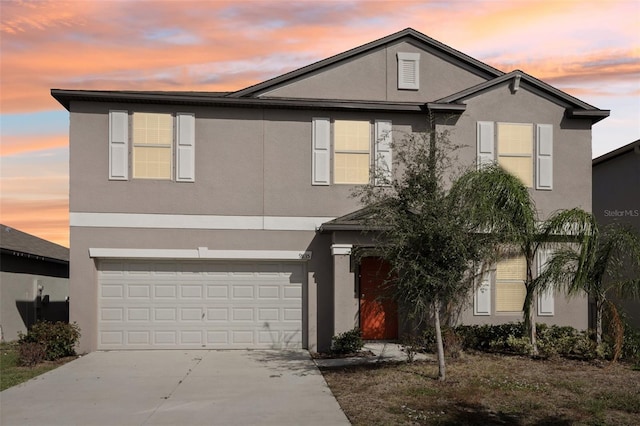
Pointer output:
152, 145
515, 150
352, 145
408, 71
351, 151
523, 149
162, 146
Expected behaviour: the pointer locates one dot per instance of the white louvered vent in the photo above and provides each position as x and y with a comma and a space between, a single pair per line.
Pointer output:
408, 71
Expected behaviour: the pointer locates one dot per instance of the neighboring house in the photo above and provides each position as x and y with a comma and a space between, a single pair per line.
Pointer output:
34, 282
224, 220
616, 198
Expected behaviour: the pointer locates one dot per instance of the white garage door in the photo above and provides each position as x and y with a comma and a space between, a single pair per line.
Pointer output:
220, 305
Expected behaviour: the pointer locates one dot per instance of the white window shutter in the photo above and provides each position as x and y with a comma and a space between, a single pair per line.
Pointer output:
482, 296
408, 71
546, 300
186, 139
321, 161
383, 162
485, 143
544, 157
118, 145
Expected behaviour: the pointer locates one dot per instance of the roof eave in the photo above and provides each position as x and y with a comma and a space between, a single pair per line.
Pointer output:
633, 146
453, 108
594, 115
64, 97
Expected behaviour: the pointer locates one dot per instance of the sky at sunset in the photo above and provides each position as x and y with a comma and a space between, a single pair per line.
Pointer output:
587, 48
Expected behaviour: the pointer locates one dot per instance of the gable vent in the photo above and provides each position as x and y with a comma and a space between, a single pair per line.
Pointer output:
408, 71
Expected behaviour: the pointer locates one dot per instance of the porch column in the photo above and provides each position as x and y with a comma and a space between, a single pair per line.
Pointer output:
345, 296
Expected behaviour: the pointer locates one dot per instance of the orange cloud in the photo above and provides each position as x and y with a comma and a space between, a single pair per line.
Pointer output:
126, 45
13, 144
48, 219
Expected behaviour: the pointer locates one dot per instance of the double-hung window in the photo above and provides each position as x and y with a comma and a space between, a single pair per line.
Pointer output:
511, 274
162, 146
523, 149
515, 150
352, 145
152, 145
351, 151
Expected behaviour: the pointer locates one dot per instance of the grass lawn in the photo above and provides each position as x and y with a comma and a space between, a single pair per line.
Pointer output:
11, 374
485, 389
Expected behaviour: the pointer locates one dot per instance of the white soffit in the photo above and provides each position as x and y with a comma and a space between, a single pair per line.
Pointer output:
170, 221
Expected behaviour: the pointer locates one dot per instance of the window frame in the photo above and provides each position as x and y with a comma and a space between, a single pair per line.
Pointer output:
514, 282
530, 156
335, 152
155, 146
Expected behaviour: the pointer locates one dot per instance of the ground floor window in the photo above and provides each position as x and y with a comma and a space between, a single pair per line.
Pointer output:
511, 274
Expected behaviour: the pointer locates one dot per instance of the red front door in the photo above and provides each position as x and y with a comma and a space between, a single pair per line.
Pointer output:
378, 312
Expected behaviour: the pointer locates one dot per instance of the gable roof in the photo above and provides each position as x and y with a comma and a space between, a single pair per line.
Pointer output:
577, 108
20, 243
408, 33
354, 221
633, 146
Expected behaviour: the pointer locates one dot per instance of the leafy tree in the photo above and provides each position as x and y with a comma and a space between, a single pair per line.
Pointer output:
499, 203
607, 265
423, 234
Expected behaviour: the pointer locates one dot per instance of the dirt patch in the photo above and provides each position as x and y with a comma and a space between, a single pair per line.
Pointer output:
484, 389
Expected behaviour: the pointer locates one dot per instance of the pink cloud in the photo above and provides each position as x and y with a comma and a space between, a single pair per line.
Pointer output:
48, 219
13, 144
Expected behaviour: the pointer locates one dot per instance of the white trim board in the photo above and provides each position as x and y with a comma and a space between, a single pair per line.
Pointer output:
188, 221
341, 249
199, 253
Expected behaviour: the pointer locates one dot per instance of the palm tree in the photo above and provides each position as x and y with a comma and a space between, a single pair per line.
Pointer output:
501, 204
607, 265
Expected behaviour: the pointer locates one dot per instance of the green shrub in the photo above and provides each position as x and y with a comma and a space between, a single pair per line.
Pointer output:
31, 353
347, 342
58, 339
631, 345
489, 337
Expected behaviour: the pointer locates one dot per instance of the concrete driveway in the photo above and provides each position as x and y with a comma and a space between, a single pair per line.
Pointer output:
203, 387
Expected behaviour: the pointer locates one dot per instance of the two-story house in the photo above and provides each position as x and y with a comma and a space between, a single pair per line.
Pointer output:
224, 220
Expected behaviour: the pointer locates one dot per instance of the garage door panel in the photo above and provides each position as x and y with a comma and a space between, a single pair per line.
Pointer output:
139, 291
112, 291
242, 292
173, 305
218, 292
112, 314
161, 291
138, 314
191, 291
165, 338
165, 314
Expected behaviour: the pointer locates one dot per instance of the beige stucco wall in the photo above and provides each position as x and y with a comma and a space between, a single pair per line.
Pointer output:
373, 76
257, 162
22, 289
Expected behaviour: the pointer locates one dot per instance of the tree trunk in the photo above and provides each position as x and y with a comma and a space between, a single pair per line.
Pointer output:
439, 344
599, 309
529, 308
